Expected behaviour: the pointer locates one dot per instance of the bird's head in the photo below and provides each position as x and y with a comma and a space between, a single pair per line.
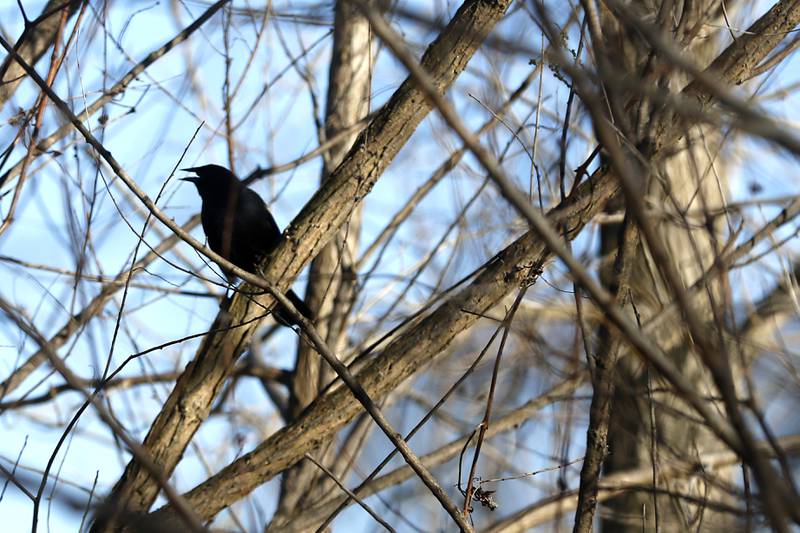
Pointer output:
212, 180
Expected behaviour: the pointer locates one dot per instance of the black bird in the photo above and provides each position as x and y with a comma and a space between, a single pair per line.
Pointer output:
239, 227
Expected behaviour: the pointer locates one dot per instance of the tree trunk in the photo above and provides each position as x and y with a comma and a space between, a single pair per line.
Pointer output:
648, 427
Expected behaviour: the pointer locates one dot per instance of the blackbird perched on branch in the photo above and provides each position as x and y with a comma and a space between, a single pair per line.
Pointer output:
239, 227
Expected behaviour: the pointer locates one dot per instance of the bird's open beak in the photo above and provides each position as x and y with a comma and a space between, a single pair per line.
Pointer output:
193, 179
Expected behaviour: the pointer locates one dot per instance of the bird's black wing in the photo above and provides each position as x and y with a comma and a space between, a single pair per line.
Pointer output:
255, 232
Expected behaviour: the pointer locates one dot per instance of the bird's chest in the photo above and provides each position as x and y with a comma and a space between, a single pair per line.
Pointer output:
220, 227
